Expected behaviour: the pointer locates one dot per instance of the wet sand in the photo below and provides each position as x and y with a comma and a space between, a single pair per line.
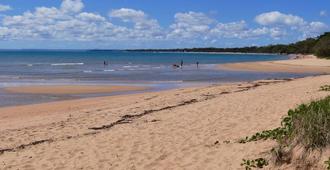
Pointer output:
71, 89
308, 65
188, 128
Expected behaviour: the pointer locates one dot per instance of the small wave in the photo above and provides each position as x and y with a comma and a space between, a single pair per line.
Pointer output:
66, 64
108, 70
88, 71
35, 64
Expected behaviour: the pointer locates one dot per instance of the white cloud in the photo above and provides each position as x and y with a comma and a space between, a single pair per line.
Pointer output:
291, 23
278, 18
144, 27
190, 25
72, 6
323, 13
240, 30
128, 15
139, 18
229, 30
314, 29
192, 18
50, 23
90, 17
69, 22
4, 8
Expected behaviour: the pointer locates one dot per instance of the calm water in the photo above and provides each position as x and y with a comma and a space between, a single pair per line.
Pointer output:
123, 66
26, 67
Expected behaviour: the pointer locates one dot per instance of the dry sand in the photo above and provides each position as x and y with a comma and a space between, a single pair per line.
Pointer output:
71, 89
175, 129
307, 65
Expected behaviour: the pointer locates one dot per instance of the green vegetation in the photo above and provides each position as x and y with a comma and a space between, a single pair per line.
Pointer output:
320, 46
277, 133
309, 124
325, 88
327, 163
256, 163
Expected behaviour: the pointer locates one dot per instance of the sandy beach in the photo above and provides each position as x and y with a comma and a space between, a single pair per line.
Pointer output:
71, 89
190, 128
307, 65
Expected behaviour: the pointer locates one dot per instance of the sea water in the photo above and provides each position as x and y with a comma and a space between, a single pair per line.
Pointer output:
154, 69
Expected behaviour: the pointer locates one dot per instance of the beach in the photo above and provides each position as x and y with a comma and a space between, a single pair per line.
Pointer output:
303, 65
71, 89
187, 128
168, 85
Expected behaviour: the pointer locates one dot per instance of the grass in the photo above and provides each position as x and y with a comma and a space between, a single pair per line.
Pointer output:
255, 163
327, 163
308, 123
325, 88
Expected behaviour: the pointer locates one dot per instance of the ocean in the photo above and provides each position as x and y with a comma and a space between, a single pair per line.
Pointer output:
154, 69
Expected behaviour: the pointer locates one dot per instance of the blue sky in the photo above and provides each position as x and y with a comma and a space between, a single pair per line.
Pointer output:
118, 24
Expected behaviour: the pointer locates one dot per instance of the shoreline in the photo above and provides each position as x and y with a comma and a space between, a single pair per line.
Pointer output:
178, 128
300, 64
233, 53
71, 89
38, 94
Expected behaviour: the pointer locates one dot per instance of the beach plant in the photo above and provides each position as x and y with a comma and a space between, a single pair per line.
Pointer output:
308, 126
277, 133
254, 163
327, 163
308, 123
325, 88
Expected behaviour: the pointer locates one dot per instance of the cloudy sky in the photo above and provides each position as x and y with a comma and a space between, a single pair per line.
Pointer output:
118, 24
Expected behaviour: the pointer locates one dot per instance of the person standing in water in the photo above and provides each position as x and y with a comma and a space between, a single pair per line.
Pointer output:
197, 63
181, 63
105, 63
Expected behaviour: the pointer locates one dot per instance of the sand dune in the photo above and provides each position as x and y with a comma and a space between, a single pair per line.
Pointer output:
177, 129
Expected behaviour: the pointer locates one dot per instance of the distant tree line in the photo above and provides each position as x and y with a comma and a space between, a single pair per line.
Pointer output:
320, 46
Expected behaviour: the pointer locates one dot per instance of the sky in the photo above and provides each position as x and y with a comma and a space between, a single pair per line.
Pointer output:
131, 24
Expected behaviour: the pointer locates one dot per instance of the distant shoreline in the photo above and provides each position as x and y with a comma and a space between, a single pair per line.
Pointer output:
296, 64
137, 50
192, 52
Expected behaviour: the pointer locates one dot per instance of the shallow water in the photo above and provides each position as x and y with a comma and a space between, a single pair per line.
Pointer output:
55, 67
23, 65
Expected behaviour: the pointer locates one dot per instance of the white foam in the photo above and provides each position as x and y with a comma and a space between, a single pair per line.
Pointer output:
66, 64
108, 70
88, 71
